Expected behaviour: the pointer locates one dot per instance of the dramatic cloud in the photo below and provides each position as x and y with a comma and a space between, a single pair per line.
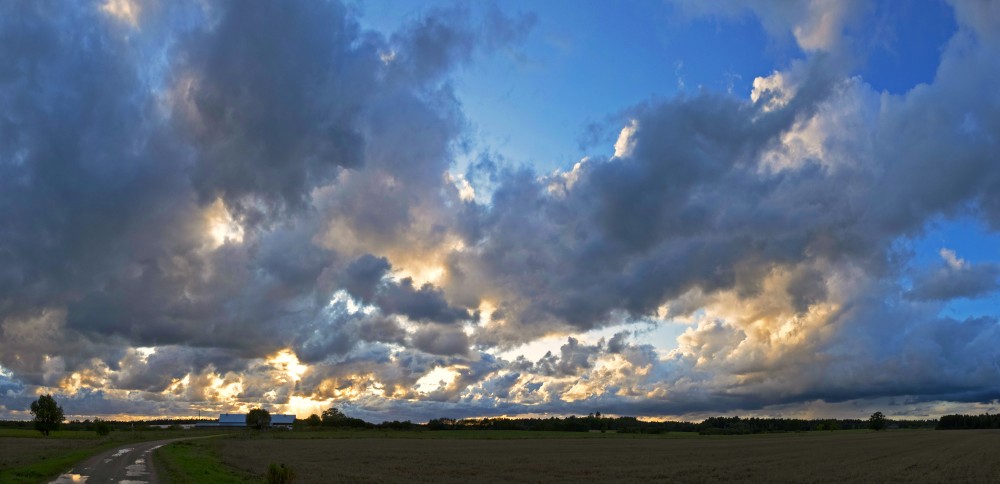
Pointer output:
208, 206
956, 279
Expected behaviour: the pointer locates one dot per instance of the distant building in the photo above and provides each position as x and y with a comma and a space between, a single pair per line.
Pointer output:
233, 420
239, 420
282, 421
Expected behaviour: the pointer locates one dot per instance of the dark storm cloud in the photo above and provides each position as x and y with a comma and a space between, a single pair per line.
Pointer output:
574, 359
365, 279
424, 304
441, 341
90, 182
363, 276
632, 233
274, 94
946, 283
119, 141
123, 150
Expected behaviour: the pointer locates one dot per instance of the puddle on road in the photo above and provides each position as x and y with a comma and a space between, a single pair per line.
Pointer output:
120, 453
137, 469
69, 478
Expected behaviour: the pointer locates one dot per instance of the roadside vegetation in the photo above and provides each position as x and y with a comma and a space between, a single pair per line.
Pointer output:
197, 461
28, 457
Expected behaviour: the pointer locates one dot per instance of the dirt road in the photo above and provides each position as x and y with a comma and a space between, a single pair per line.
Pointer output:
128, 464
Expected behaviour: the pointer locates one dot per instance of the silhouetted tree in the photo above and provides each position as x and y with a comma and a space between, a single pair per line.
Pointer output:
47, 414
258, 418
102, 427
333, 417
877, 421
314, 421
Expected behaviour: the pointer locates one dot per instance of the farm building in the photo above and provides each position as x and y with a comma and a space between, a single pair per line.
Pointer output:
240, 420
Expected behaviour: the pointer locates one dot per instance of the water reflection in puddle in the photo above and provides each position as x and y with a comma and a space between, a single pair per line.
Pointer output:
137, 469
69, 478
120, 453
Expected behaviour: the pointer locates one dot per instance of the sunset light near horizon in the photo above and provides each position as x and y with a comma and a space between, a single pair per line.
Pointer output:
409, 210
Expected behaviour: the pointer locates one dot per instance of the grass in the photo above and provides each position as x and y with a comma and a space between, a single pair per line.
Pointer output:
197, 461
58, 434
28, 457
44, 467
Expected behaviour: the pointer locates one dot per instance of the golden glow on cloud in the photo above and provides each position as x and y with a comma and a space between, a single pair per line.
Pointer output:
124, 10
221, 226
465, 190
226, 390
287, 362
177, 385
437, 379
303, 407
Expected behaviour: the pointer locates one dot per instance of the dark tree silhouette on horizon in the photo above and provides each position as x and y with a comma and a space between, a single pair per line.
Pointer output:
47, 414
314, 421
258, 418
877, 421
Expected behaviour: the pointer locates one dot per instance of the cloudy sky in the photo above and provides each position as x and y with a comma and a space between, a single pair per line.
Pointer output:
666, 209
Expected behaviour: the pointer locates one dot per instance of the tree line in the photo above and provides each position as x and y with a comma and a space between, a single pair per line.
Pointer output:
48, 416
958, 421
592, 422
709, 426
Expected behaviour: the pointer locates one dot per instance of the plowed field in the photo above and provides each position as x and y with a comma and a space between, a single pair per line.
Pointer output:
900, 456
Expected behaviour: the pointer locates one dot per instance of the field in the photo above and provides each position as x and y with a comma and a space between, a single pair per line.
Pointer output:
915, 455
463, 456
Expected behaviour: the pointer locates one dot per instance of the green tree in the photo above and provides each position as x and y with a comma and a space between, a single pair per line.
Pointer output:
258, 418
47, 414
877, 421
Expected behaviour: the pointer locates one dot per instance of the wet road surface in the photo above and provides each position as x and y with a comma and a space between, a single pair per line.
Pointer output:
128, 464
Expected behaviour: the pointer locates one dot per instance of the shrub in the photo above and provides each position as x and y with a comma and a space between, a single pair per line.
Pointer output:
279, 474
102, 427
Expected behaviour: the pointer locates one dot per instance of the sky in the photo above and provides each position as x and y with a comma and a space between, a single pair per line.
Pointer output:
664, 209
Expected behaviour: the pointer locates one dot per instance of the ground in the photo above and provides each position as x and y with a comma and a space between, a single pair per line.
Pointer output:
27, 457
463, 456
16, 452
910, 456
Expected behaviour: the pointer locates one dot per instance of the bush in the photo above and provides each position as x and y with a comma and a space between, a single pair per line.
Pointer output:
102, 427
279, 474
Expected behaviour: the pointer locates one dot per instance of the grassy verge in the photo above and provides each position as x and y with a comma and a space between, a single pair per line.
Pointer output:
195, 462
50, 466
58, 434
39, 459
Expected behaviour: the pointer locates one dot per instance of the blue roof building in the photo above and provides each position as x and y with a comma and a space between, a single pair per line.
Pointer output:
239, 420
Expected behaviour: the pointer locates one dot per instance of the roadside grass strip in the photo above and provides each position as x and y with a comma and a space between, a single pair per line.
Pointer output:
197, 462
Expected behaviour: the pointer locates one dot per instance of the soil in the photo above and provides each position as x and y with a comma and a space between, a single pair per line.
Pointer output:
910, 456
